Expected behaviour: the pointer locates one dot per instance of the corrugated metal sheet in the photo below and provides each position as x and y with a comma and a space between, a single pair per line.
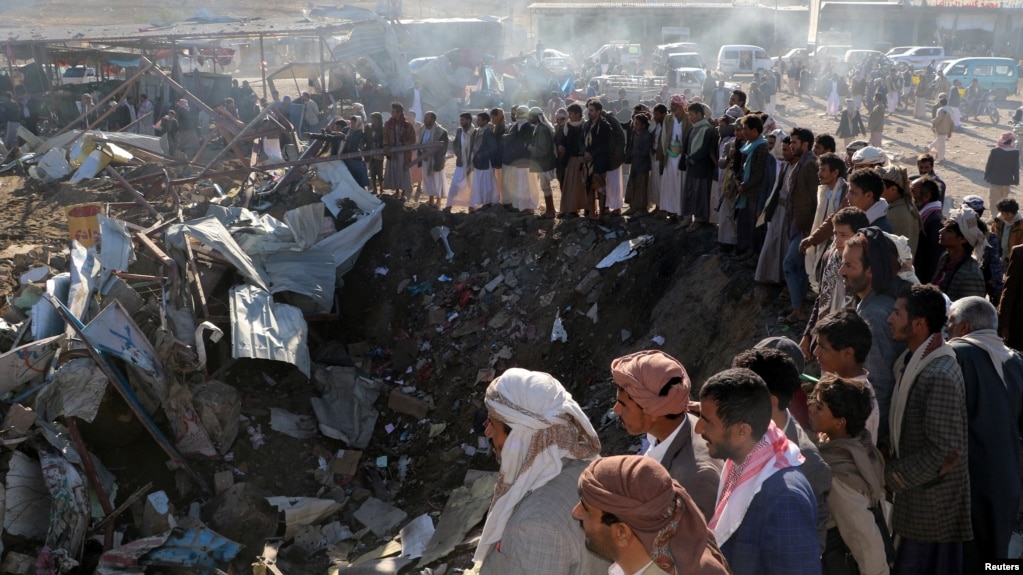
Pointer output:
263, 329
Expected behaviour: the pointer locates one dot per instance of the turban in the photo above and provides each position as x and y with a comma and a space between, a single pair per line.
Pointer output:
521, 112
966, 219
678, 99
734, 111
640, 492
1006, 140
645, 373
535, 112
547, 425
975, 202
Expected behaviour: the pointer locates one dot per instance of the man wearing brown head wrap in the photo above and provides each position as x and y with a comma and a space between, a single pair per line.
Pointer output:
634, 514
653, 397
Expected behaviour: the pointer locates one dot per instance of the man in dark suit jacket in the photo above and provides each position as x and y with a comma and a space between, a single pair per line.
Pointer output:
653, 397
781, 374
799, 215
701, 146
766, 517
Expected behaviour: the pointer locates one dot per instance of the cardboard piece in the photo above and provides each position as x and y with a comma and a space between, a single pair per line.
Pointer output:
302, 511
346, 462
381, 517
407, 404
464, 510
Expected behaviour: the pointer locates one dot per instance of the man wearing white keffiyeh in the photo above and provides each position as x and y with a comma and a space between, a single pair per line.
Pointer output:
993, 377
543, 440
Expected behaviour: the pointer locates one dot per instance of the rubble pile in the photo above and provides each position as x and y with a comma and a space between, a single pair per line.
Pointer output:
271, 369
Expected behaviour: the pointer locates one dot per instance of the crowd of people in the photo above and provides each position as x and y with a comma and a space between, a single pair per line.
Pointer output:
909, 469
902, 458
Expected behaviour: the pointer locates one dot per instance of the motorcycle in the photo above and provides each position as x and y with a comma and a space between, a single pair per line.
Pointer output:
988, 108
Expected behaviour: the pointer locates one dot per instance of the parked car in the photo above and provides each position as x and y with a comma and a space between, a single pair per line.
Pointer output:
1000, 75
631, 54
898, 51
920, 56
742, 59
793, 55
79, 75
659, 58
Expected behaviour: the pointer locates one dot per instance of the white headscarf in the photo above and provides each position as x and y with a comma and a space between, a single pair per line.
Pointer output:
546, 426
967, 219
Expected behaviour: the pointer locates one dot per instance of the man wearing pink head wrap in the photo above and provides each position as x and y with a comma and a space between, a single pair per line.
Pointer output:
653, 398
634, 514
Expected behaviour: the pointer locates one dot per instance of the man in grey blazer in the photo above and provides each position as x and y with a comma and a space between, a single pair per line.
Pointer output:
653, 399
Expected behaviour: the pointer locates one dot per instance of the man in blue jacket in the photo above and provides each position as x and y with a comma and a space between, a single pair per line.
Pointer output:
766, 516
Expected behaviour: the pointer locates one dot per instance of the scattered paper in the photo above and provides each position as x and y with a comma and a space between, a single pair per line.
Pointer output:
415, 536
558, 332
658, 339
302, 511
381, 517
626, 250
381, 271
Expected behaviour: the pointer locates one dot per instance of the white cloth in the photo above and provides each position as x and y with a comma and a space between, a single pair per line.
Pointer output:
521, 189
877, 211
672, 178
834, 103
460, 191
989, 341
616, 569
433, 181
659, 448
146, 125
904, 384
613, 186
483, 189
531, 402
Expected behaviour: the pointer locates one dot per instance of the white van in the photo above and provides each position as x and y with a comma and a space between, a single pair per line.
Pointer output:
738, 59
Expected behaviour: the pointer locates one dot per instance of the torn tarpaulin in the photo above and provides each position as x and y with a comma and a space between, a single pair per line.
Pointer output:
200, 549
267, 330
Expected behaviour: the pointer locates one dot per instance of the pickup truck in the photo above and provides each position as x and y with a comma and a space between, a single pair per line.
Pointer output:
920, 56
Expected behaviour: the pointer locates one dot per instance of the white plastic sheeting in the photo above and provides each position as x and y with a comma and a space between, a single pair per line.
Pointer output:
347, 244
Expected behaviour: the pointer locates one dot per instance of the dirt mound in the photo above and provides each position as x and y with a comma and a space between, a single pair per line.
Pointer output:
437, 330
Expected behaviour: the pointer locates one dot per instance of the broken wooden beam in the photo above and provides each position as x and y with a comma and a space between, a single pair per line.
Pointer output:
139, 198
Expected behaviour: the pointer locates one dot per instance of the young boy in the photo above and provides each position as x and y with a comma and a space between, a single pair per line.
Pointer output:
843, 341
838, 410
831, 298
